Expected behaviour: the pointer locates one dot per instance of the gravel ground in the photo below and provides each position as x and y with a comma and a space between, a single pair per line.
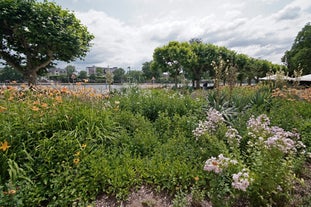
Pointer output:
144, 197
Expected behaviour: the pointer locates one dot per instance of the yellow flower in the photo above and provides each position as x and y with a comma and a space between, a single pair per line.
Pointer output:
77, 154
83, 146
196, 178
76, 161
4, 146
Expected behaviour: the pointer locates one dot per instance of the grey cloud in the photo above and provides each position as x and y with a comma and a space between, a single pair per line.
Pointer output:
165, 38
267, 51
289, 13
308, 10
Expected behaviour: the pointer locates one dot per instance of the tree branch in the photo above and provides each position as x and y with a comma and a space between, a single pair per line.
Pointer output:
48, 61
10, 60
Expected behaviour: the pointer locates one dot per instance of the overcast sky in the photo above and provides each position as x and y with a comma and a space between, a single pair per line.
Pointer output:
127, 31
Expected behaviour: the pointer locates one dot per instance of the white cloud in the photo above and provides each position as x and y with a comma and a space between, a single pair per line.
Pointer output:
152, 23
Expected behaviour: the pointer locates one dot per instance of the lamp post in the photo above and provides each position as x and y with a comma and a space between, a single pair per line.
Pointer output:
129, 72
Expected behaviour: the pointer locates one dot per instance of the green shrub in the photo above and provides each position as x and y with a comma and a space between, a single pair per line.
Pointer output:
63, 148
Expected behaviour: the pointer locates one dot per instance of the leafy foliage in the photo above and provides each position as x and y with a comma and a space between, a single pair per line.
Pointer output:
299, 55
35, 34
61, 147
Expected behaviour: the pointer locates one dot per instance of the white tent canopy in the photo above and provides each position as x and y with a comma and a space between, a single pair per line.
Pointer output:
305, 78
273, 77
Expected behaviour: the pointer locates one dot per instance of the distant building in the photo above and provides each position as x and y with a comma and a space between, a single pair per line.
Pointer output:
92, 70
56, 71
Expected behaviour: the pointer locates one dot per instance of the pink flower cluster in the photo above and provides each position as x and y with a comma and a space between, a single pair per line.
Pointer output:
241, 180
281, 139
214, 117
217, 165
259, 124
202, 128
233, 136
272, 137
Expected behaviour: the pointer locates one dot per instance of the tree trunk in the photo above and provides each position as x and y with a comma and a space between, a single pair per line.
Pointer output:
31, 77
176, 81
197, 78
249, 81
197, 84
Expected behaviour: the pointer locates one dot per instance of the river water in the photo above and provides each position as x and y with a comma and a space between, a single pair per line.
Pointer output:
100, 88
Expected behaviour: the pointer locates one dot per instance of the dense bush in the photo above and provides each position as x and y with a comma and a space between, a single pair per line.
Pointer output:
61, 147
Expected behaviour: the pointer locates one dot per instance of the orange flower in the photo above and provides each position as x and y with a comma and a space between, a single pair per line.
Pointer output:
196, 178
2, 109
59, 99
12, 192
4, 146
35, 108
23, 86
215, 163
44, 105
64, 90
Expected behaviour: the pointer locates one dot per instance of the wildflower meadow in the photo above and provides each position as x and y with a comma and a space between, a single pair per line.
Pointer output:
247, 146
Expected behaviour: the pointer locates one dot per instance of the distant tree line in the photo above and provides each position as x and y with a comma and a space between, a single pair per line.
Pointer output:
195, 60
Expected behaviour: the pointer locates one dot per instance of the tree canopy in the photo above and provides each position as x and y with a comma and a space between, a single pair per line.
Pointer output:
119, 75
299, 56
173, 58
36, 34
195, 60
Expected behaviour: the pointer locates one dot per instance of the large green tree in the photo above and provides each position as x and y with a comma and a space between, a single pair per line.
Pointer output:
70, 69
241, 62
82, 75
9, 74
299, 56
119, 75
204, 55
150, 72
173, 58
34, 35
